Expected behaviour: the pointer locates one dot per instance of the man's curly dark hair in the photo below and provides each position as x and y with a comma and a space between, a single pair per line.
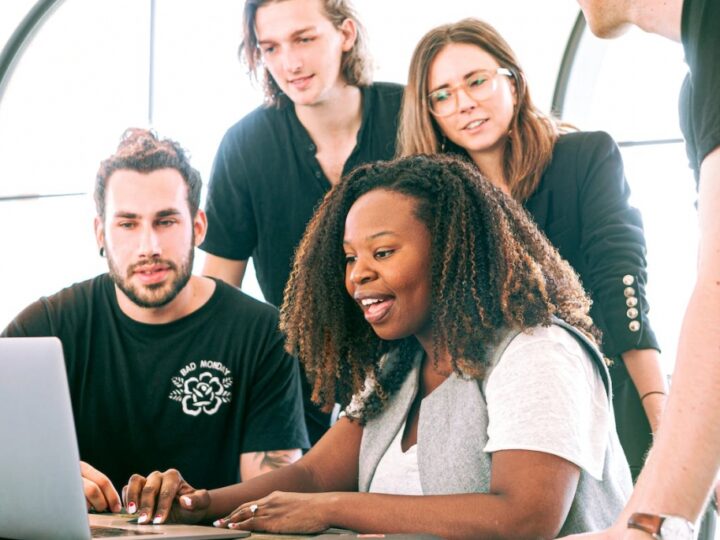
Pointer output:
143, 151
491, 269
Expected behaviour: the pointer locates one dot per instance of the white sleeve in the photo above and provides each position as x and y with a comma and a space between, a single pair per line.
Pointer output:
545, 394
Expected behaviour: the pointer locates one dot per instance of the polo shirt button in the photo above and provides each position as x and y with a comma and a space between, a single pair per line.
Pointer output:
311, 148
632, 313
631, 301
318, 174
628, 280
634, 326
628, 292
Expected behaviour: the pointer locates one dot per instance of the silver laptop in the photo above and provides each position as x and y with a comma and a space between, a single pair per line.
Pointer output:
41, 493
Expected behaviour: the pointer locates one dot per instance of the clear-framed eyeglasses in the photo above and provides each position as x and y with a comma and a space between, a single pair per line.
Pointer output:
479, 85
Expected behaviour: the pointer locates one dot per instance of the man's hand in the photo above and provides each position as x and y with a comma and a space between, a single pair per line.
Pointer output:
100, 494
163, 497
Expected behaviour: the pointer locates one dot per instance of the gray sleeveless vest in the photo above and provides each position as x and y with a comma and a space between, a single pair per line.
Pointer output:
452, 432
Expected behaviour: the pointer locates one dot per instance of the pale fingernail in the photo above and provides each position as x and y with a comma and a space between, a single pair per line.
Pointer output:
132, 508
218, 523
187, 501
143, 518
157, 520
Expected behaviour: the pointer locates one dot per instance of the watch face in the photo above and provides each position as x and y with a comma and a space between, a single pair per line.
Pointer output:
676, 528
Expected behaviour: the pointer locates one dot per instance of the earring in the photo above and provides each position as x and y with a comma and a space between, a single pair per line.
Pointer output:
102, 251
442, 144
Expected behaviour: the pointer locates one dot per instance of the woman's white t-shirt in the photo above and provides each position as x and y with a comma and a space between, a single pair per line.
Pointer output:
545, 394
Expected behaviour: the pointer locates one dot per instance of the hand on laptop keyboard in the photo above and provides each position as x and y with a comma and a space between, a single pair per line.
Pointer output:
100, 494
165, 497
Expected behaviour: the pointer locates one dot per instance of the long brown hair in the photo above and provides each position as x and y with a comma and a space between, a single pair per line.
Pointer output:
356, 64
532, 134
490, 269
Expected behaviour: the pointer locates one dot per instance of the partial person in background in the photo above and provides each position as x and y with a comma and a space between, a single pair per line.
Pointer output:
684, 463
323, 116
480, 406
166, 369
467, 95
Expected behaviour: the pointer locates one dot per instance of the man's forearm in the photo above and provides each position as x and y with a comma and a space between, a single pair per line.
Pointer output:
684, 462
254, 464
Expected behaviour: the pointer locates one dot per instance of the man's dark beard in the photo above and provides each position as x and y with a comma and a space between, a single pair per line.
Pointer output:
182, 276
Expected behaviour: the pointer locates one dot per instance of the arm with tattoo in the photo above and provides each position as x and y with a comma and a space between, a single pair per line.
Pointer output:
254, 464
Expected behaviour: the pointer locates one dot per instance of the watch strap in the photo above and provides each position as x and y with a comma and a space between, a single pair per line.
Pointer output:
649, 523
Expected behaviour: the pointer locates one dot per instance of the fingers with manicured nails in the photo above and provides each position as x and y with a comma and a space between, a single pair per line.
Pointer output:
191, 505
131, 492
239, 518
192, 499
253, 524
169, 489
158, 495
163, 497
100, 494
148, 496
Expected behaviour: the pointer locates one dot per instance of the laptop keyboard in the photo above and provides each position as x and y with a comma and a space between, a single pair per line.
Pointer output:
108, 532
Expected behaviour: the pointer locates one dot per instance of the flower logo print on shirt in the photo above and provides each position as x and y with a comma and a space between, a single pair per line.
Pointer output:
203, 392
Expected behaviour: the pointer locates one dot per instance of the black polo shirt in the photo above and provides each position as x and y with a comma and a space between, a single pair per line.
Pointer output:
266, 182
699, 98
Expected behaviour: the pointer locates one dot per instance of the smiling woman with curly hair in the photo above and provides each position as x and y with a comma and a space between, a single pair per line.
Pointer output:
491, 269
480, 403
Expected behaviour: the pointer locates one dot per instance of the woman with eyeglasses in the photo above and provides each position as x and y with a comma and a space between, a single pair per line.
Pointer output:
467, 95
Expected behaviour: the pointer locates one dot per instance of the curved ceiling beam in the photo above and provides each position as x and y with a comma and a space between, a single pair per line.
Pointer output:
561, 85
21, 37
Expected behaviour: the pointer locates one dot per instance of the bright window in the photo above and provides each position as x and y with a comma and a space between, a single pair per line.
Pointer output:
89, 73
629, 87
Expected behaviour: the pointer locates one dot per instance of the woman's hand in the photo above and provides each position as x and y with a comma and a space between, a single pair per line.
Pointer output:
281, 512
163, 497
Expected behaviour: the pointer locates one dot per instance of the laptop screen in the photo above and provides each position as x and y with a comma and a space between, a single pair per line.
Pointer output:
40, 483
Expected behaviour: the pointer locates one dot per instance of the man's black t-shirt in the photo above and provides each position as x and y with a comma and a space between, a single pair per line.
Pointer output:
700, 95
192, 394
266, 182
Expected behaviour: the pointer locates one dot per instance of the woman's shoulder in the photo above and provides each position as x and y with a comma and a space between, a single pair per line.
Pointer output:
584, 140
577, 154
541, 337
546, 354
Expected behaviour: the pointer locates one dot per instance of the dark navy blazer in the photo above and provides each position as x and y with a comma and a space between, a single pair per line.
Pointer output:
582, 206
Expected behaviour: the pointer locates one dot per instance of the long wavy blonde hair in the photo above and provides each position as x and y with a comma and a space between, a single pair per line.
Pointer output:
532, 134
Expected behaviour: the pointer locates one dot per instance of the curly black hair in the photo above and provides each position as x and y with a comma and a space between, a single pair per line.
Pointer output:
143, 151
491, 269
